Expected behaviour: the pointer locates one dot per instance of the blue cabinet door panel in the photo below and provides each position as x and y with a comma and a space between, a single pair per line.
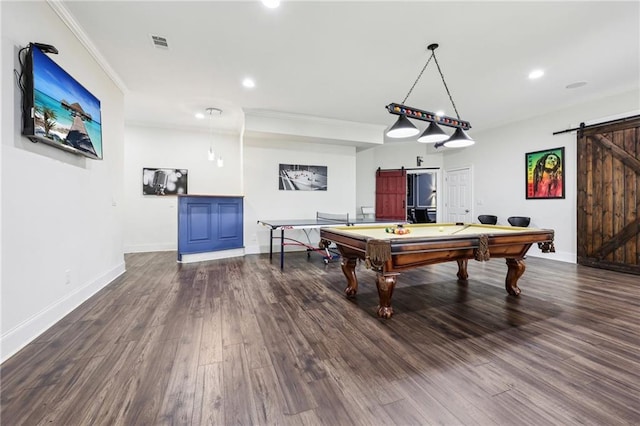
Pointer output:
199, 227
228, 223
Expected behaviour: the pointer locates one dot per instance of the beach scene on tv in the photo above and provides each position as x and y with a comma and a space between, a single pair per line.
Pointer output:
65, 112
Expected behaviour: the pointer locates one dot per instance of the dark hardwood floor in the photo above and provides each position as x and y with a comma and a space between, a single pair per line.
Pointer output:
237, 341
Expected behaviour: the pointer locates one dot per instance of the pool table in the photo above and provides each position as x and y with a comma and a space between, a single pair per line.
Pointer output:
390, 250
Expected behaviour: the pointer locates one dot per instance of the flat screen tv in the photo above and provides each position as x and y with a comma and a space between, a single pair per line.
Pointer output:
57, 110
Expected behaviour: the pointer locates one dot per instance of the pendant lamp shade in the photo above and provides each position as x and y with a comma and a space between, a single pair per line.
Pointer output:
459, 139
403, 128
432, 134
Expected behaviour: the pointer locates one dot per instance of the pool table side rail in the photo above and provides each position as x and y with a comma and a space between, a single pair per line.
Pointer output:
407, 253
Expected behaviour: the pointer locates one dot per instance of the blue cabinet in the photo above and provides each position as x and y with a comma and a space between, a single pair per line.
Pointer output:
209, 223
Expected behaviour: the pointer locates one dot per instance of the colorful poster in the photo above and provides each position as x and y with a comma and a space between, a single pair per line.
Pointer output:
545, 174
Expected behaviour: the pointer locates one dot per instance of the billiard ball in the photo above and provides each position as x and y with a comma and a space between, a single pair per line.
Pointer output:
441, 229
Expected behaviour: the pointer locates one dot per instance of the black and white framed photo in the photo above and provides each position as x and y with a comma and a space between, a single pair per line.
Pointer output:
164, 181
297, 177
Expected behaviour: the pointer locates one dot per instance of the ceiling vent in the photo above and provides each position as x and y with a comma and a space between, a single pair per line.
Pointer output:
159, 42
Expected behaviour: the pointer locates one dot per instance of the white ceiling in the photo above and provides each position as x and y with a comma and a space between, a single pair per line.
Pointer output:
347, 60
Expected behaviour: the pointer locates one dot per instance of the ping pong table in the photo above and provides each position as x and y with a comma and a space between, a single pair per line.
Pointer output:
322, 220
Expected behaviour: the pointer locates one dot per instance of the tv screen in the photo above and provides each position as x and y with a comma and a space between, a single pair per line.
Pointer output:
57, 110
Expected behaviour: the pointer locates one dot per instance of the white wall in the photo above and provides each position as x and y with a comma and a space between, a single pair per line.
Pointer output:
151, 222
61, 213
264, 201
498, 160
304, 127
394, 154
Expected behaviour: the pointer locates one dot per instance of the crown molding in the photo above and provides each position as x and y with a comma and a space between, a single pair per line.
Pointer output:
68, 19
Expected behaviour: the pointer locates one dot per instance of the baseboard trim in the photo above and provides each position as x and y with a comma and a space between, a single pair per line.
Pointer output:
211, 255
27, 331
559, 256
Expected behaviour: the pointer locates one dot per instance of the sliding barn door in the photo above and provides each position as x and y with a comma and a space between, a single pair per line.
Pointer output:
609, 196
391, 194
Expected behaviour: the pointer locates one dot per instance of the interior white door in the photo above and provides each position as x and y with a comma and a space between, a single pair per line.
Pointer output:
459, 195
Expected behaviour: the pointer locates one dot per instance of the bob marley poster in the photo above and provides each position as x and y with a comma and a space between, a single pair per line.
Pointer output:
545, 174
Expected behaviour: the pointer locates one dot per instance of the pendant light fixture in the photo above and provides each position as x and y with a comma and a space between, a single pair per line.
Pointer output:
403, 128
459, 139
211, 155
433, 133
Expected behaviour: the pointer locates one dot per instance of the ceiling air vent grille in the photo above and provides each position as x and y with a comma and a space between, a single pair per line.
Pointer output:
159, 42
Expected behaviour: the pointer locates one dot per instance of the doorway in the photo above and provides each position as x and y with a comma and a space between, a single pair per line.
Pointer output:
408, 194
422, 196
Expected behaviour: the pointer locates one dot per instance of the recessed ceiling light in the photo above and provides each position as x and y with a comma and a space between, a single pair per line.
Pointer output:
199, 115
271, 4
576, 84
440, 113
536, 74
249, 83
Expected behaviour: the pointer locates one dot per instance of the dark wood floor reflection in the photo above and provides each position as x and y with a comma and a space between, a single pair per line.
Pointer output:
237, 341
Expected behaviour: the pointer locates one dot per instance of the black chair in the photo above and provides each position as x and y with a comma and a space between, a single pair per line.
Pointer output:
421, 216
522, 221
488, 219
411, 216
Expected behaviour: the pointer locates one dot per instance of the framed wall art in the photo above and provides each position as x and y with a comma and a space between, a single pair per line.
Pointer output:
296, 177
164, 181
545, 174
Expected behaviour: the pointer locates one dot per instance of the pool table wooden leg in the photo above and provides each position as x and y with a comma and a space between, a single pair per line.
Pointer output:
349, 270
516, 269
462, 270
386, 284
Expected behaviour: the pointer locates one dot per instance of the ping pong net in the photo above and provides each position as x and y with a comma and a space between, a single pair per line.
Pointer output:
333, 218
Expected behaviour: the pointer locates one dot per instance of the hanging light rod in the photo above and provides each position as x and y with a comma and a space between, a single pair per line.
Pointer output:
419, 114
403, 128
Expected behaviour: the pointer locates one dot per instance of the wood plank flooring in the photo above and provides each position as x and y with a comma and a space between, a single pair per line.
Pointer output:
237, 341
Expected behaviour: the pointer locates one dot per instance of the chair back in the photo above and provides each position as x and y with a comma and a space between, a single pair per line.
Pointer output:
519, 221
368, 212
421, 216
488, 219
411, 215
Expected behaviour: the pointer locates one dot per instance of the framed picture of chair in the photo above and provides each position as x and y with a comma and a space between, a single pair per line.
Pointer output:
545, 174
